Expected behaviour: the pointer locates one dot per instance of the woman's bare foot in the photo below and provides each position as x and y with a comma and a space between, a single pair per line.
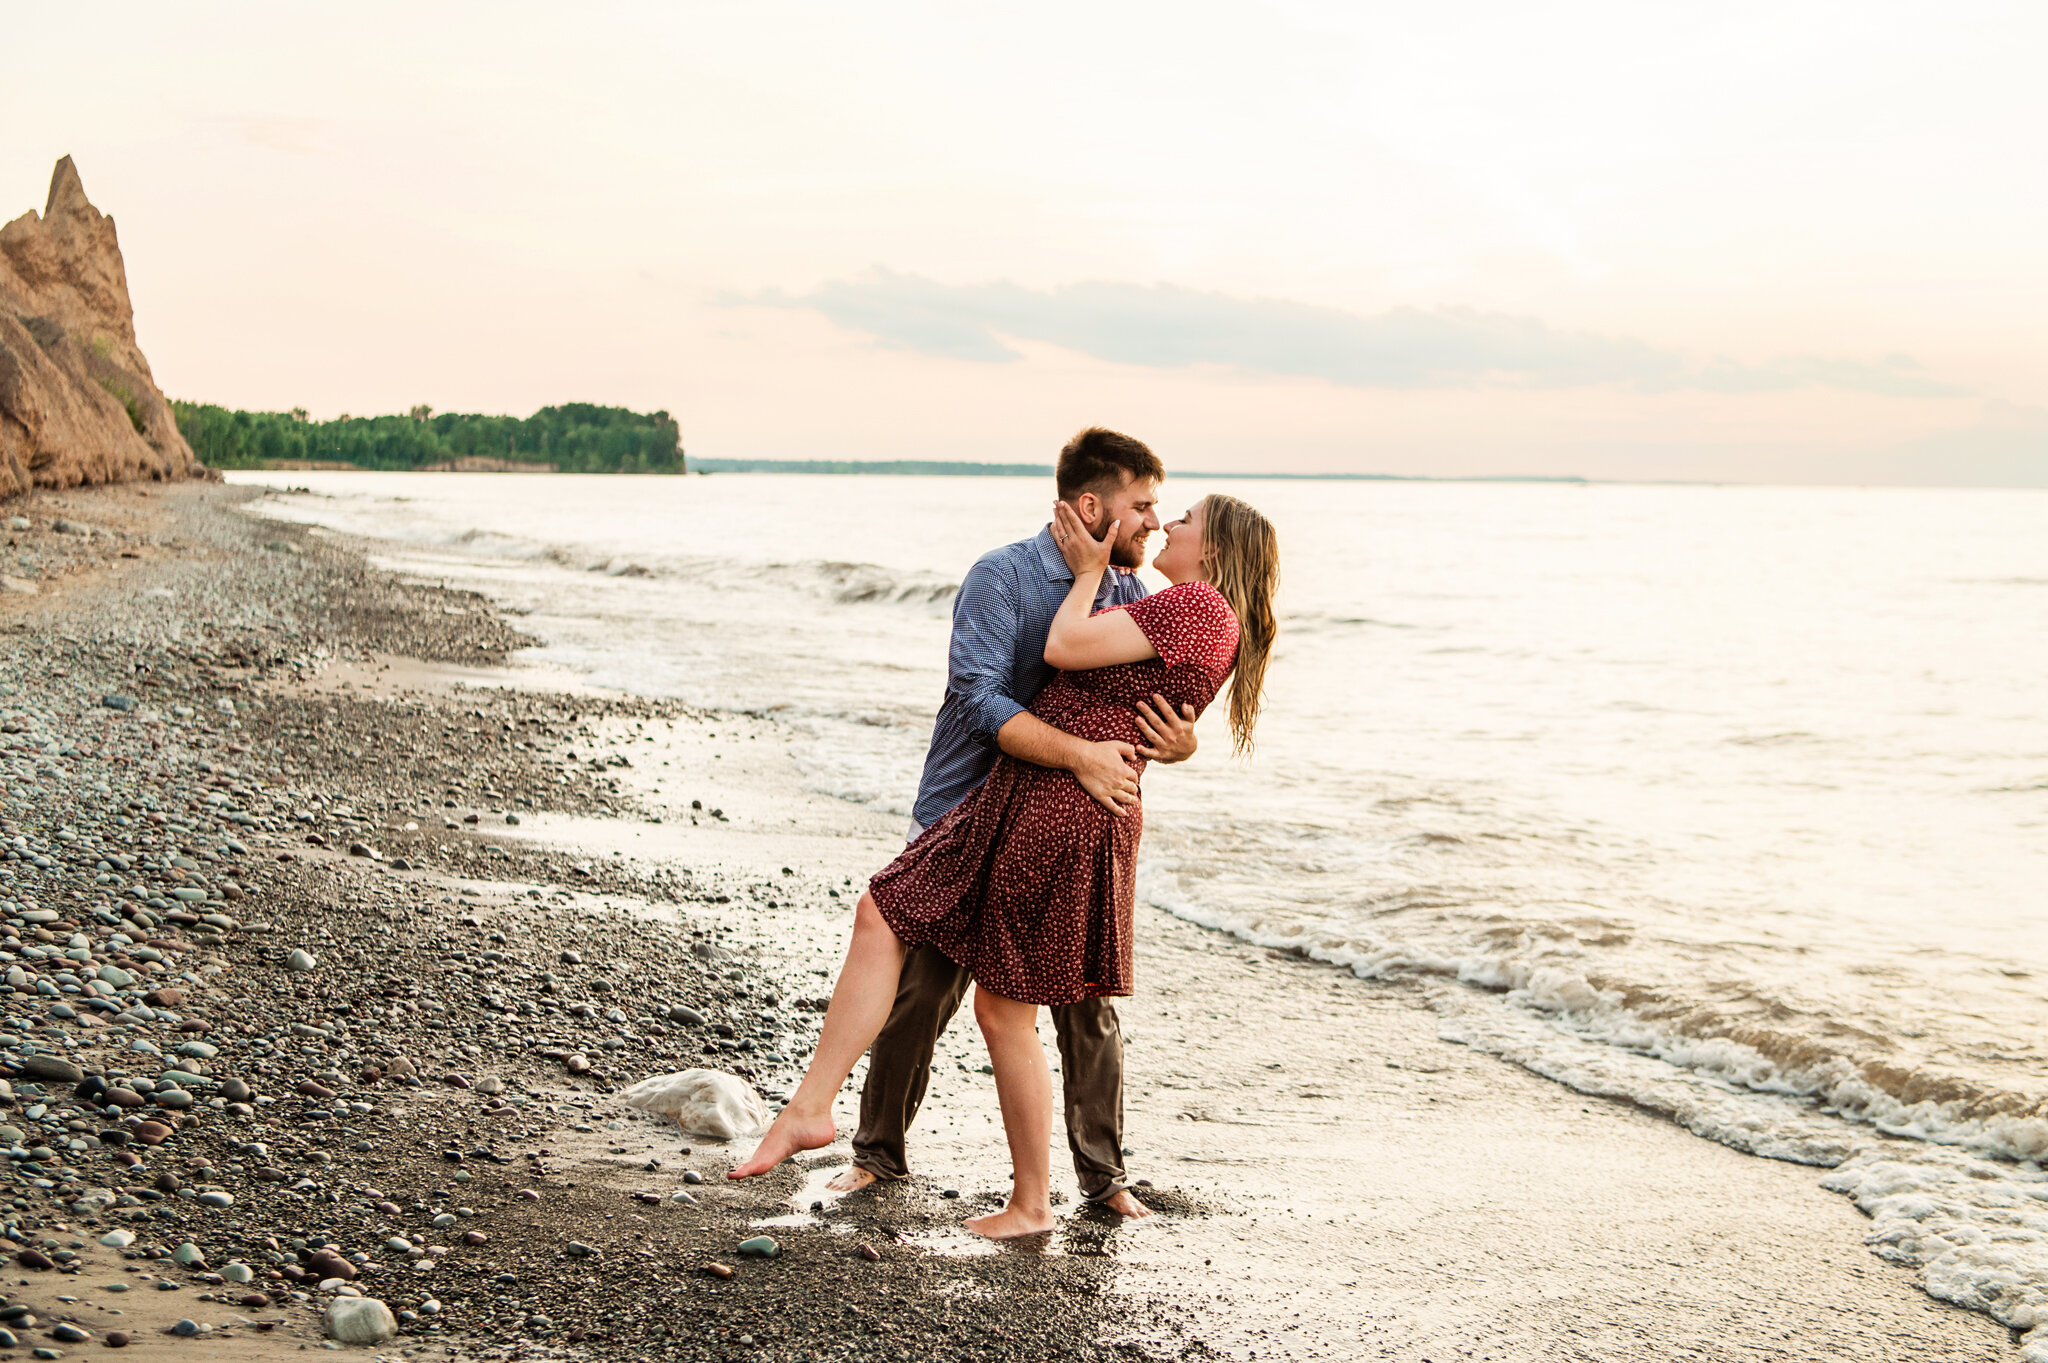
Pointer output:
850, 1180
792, 1132
1124, 1205
1011, 1222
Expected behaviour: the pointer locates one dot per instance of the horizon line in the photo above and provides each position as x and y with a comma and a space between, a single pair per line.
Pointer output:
969, 468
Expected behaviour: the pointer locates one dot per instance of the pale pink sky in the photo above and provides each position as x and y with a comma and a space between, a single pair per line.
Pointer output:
1745, 241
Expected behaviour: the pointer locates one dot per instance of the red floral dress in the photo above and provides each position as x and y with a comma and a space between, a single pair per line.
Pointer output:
1028, 882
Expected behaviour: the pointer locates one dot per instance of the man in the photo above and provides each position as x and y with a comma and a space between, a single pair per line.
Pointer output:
995, 667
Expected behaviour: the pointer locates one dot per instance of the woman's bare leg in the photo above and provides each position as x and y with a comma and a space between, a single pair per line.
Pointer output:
1024, 1088
861, 1000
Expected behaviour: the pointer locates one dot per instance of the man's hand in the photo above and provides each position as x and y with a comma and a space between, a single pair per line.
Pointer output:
1171, 737
1105, 772
1103, 769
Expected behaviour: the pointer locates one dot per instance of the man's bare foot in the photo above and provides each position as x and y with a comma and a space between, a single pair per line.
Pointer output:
1011, 1222
790, 1133
849, 1180
1124, 1205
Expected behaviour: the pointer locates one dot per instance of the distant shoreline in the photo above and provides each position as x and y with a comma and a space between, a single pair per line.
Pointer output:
967, 468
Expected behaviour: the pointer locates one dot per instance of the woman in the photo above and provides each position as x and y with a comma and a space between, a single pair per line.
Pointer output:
1028, 882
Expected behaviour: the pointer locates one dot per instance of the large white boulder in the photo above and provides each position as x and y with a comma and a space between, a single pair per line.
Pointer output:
360, 1320
709, 1103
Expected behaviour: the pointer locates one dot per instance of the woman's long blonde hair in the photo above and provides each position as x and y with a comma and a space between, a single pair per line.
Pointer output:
1242, 552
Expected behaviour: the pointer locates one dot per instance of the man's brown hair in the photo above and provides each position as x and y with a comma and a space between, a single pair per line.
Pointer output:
1099, 460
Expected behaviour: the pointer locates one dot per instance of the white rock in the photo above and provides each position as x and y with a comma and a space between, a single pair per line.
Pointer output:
360, 1320
707, 1103
118, 1239
300, 959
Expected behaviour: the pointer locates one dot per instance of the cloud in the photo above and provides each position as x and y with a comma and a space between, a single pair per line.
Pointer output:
1168, 327
2007, 446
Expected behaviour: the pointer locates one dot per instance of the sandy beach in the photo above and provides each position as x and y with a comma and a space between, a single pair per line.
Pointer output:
518, 892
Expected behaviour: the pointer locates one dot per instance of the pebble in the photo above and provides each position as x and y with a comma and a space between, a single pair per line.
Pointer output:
691, 1176
868, 1252
238, 1273
118, 1239
761, 1247
216, 1198
116, 1339
50, 1067
188, 1254
186, 1329
718, 1270
66, 1333
300, 959
330, 1267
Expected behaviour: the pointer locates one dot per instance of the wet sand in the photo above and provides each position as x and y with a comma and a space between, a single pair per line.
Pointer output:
1334, 1181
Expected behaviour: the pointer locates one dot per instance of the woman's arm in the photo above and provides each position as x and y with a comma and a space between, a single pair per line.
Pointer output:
1078, 640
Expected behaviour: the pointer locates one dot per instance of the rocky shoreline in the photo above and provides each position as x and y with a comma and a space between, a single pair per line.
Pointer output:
289, 1020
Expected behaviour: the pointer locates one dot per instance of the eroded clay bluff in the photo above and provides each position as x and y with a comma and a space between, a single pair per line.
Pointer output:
77, 403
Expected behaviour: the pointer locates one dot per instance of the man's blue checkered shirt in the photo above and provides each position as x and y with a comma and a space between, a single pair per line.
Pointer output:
995, 665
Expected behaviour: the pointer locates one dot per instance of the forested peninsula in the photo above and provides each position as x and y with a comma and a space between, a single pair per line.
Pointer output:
576, 437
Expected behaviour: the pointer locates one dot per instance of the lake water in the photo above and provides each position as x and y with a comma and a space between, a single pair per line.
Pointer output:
1733, 801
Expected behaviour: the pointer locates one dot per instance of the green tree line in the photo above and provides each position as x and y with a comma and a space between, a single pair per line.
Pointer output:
576, 437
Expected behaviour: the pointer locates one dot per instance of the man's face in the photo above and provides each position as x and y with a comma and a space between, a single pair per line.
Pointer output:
1136, 505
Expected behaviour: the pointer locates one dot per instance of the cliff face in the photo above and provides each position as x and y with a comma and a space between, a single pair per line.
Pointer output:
77, 403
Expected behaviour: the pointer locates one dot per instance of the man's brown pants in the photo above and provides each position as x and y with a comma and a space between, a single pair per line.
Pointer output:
900, 1065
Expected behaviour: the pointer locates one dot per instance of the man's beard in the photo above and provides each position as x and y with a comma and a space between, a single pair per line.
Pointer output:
1125, 553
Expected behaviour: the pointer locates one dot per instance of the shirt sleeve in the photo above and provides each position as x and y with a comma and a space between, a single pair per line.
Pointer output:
1190, 622
986, 618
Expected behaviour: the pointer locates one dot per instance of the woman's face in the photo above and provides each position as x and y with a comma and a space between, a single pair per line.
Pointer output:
1181, 559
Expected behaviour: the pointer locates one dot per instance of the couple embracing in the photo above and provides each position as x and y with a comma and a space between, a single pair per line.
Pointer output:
1065, 678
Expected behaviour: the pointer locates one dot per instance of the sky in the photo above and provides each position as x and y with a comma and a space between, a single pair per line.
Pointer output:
1801, 242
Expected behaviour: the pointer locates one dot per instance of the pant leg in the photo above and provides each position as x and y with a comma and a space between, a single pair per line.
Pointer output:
928, 993
1092, 1073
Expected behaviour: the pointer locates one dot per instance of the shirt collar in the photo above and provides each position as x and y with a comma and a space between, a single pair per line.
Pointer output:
1049, 556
